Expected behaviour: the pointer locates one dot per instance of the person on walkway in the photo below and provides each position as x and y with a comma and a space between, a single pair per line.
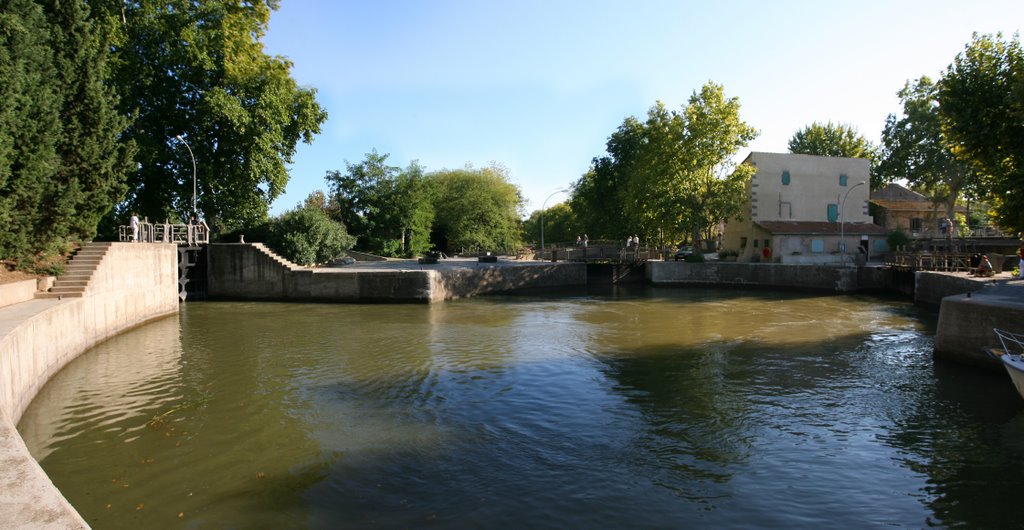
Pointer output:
766, 253
984, 268
579, 241
1020, 264
585, 240
135, 227
629, 241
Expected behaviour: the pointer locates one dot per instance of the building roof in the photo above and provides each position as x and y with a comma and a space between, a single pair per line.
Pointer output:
822, 228
896, 193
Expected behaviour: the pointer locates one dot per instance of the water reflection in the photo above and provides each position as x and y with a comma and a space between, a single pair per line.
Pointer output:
657, 407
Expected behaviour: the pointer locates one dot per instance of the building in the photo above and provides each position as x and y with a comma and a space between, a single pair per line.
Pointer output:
899, 208
801, 206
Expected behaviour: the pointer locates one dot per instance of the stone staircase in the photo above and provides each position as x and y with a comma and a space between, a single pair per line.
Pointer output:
270, 253
75, 280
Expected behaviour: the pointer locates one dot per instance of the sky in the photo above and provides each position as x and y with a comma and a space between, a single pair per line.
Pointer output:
538, 86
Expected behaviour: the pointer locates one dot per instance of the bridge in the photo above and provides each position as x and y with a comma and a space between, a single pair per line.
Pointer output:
191, 240
599, 252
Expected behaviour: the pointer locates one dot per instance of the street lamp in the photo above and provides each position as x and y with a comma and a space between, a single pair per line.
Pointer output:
182, 140
542, 206
842, 221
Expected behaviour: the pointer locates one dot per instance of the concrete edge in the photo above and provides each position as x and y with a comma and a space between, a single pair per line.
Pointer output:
17, 292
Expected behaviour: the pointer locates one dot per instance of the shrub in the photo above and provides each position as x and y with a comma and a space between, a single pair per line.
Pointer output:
308, 236
897, 239
696, 257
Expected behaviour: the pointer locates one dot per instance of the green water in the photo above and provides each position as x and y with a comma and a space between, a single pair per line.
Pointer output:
654, 408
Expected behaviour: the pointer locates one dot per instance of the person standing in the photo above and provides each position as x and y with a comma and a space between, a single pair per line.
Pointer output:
585, 240
1020, 265
135, 227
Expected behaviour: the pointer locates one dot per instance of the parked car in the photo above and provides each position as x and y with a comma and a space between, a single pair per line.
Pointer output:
684, 250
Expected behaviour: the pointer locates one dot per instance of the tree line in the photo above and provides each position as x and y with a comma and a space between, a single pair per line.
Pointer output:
105, 104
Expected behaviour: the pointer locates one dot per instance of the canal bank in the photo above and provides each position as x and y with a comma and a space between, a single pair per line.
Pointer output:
132, 285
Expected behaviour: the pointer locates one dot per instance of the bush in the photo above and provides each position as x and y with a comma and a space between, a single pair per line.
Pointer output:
696, 257
897, 239
307, 236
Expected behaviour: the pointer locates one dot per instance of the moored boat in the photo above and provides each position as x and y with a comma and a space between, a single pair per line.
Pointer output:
1012, 356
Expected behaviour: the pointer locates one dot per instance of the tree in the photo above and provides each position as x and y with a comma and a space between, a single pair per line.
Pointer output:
982, 105
197, 69
62, 163
389, 210
560, 225
915, 149
836, 140
29, 126
671, 176
476, 209
94, 161
307, 236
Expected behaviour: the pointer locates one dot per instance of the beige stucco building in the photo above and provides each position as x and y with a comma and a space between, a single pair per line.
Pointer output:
799, 206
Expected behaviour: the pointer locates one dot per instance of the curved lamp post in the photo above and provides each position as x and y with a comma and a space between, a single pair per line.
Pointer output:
542, 207
842, 220
182, 140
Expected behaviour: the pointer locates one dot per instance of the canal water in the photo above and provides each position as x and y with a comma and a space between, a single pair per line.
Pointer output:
652, 408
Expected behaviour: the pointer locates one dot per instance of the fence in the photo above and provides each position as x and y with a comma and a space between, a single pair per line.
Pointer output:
180, 234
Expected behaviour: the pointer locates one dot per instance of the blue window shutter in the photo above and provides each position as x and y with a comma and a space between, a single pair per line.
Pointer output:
833, 213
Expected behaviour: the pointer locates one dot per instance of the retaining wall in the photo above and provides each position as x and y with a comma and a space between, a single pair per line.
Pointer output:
133, 284
966, 322
775, 275
243, 271
16, 292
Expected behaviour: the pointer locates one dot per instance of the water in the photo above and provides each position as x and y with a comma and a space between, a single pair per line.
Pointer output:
661, 408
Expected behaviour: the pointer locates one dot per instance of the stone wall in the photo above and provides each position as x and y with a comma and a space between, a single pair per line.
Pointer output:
966, 322
249, 272
774, 275
15, 292
134, 283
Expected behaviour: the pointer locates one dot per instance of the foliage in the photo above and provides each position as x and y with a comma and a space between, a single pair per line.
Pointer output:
388, 209
831, 139
914, 148
307, 236
982, 106
898, 239
476, 209
560, 225
696, 257
61, 161
671, 176
197, 69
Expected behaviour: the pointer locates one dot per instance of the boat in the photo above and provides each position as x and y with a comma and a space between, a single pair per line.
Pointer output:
1011, 355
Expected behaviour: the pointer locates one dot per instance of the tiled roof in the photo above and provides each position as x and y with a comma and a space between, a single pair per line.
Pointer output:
821, 228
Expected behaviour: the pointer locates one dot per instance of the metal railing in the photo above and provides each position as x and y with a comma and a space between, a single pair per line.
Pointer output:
931, 261
180, 234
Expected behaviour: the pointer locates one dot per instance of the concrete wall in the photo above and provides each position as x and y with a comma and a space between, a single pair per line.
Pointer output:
133, 284
966, 323
16, 292
249, 272
932, 287
810, 277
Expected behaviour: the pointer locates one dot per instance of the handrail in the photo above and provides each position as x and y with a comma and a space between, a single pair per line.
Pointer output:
179, 234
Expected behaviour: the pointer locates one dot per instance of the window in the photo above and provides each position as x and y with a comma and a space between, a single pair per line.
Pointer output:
785, 178
916, 224
755, 243
743, 242
842, 180
833, 213
767, 242
817, 246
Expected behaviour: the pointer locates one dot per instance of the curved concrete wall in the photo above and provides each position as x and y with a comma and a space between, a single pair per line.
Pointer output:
133, 284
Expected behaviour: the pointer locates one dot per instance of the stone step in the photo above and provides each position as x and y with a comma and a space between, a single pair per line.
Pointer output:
67, 289
59, 295
84, 282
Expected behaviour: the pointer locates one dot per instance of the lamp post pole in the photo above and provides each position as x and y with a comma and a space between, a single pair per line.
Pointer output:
542, 207
842, 222
182, 140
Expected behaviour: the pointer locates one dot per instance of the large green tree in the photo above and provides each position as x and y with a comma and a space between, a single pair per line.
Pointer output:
560, 225
670, 177
197, 70
982, 104
62, 161
915, 149
831, 139
476, 210
389, 209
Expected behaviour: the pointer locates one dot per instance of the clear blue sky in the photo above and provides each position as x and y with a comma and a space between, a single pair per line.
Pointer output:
538, 86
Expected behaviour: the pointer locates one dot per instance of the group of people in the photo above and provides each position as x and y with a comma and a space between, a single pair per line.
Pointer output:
581, 241
633, 241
